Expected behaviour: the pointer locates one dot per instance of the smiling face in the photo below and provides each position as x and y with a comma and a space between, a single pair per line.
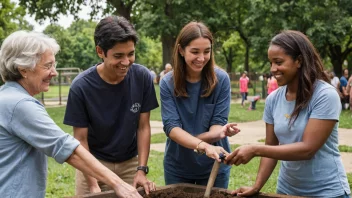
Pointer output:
38, 80
118, 60
283, 67
196, 55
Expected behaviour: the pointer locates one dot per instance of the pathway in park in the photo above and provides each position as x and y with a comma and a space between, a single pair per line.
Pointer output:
251, 132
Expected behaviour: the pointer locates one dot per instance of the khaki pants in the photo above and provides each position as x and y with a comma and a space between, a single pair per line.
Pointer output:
125, 170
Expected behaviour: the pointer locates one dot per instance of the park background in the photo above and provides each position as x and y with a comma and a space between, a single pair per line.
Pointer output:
242, 31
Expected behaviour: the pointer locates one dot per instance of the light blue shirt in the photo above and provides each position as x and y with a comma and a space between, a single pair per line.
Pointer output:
27, 136
195, 115
323, 175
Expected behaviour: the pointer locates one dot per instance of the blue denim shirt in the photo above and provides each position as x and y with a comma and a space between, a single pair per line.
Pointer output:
195, 115
27, 136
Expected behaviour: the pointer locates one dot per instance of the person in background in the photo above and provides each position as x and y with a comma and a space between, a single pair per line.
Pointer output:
272, 84
335, 81
167, 69
109, 108
243, 83
301, 125
343, 89
195, 104
27, 133
349, 91
153, 74
253, 103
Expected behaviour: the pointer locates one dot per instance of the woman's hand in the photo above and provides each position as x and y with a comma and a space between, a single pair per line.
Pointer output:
241, 155
125, 190
229, 130
212, 151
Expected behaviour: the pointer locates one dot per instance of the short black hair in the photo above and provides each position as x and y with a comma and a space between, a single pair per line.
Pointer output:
112, 30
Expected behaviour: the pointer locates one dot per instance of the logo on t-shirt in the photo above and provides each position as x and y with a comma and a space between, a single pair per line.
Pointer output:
135, 107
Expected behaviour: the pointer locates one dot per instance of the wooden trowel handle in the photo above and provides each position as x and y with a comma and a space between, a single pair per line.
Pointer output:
213, 174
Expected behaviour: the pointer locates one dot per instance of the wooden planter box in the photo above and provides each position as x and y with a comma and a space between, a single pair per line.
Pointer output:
189, 188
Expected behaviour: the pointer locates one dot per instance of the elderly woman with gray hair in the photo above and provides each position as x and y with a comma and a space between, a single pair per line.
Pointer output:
27, 134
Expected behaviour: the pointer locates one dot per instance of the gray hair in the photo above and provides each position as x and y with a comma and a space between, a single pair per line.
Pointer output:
23, 49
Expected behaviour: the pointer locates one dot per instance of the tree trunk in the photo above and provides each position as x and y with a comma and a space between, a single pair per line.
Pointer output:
228, 58
337, 57
246, 60
168, 43
122, 9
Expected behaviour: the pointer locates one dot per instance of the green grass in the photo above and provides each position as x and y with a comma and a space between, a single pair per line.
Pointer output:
345, 119
158, 138
155, 114
345, 148
241, 114
54, 92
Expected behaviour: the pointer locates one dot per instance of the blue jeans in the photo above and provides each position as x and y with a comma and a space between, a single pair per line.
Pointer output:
222, 180
244, 97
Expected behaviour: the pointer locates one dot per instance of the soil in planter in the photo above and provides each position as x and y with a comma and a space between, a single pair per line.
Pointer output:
184, 192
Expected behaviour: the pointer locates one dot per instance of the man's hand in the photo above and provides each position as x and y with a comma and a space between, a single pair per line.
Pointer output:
245, 191
141, 180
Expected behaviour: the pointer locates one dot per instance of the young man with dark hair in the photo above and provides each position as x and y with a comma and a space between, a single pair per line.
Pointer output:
109, 107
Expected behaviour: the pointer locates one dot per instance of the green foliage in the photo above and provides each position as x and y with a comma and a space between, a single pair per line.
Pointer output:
327, 23
11, 19
149, 52
77, 44
78, 47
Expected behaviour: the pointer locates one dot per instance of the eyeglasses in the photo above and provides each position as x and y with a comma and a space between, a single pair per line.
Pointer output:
49, 66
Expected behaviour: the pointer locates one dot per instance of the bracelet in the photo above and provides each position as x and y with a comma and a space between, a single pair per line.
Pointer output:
197, 149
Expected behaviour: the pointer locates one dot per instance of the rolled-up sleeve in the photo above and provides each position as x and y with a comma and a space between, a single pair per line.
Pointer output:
222, 104
31, 123
169, 113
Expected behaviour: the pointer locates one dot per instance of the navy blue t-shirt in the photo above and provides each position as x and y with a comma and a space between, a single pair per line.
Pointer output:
111, 112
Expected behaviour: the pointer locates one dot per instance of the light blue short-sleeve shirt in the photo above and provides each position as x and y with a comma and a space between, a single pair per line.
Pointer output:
27, 136
324, 174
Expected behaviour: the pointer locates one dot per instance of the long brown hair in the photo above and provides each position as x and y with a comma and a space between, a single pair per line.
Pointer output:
190, 32
298, 47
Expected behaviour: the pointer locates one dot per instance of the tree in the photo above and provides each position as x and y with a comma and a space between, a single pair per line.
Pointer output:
11, 19
229, 17
164, 19
327, 23
83, 46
